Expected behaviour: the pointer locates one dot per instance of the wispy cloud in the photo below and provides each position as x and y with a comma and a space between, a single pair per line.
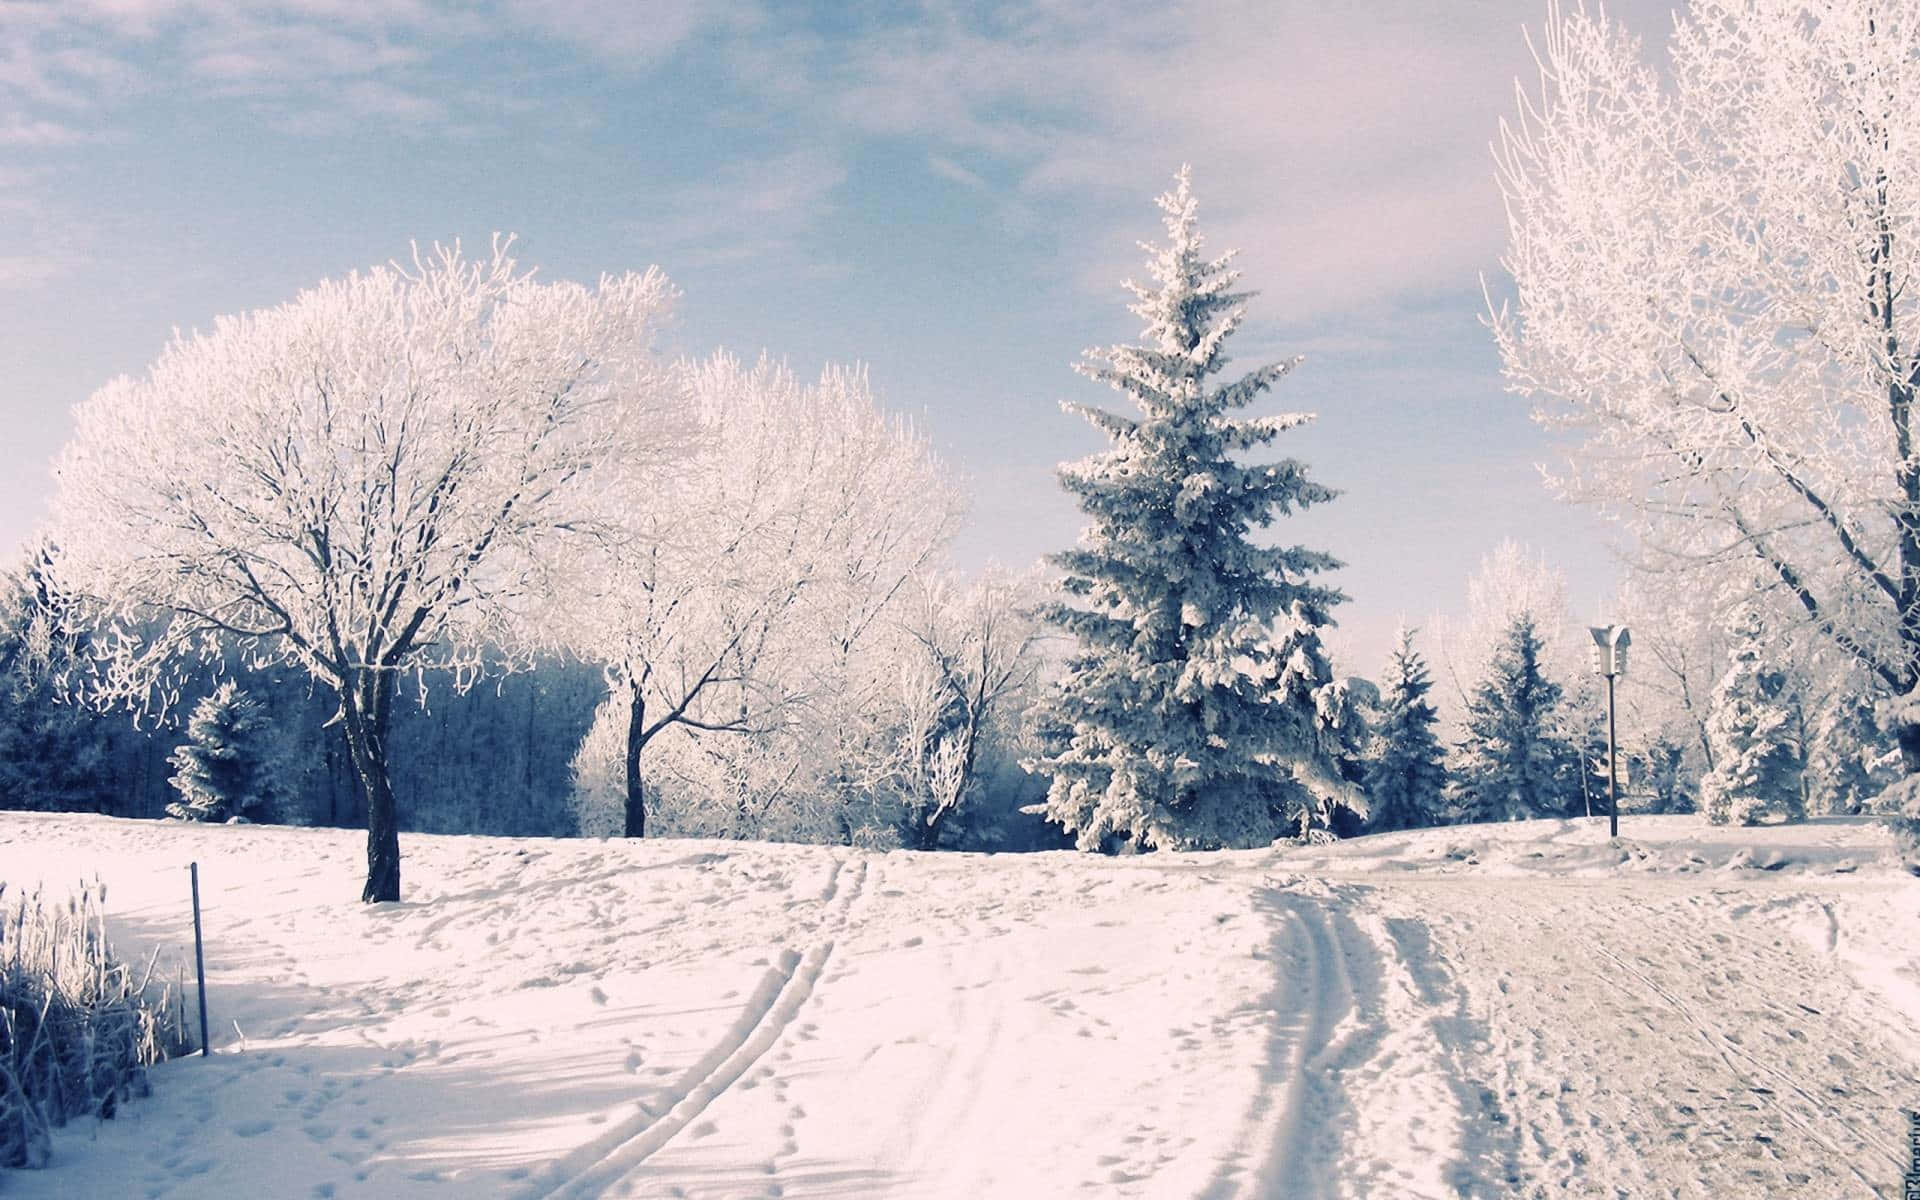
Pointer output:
632, 35
1346, 158
749, 209
946, 168
19, 131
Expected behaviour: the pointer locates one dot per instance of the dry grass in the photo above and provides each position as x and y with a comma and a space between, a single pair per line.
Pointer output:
77, 1027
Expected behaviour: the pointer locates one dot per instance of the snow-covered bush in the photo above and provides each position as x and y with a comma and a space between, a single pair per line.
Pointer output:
598, 798
230, 763
78, 1028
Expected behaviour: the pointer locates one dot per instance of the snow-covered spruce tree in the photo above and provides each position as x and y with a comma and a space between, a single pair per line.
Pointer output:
1169, 726
1850, 761
51, 750
1757, 759
1512, 764
227, 766
1660, 765
1406, 769
1333, 803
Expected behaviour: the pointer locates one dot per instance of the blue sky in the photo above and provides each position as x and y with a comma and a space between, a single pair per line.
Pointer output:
949, 193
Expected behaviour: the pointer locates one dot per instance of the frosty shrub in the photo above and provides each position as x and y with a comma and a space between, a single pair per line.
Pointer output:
77, 1027
598, 799
229, 766
1901, 801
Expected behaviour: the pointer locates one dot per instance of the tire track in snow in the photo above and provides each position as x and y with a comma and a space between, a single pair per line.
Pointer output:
592, 1168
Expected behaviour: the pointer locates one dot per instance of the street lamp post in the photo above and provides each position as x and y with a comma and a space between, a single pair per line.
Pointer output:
1610, 660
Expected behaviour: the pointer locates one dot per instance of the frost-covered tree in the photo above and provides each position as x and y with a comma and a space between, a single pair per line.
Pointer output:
1511, 580
970, 650
1168, 728
1713, 271
373, 479
732, 587
1752, 726
1580, 726
1406, 768
1513, 763
229, 765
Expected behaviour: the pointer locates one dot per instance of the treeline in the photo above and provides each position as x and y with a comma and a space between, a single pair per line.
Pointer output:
1729, 724
539, 752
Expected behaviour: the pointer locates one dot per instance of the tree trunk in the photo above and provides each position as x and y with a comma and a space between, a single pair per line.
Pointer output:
367, 700
636, 740
928, 835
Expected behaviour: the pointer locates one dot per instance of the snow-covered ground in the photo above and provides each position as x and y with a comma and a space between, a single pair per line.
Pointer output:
1488, 1011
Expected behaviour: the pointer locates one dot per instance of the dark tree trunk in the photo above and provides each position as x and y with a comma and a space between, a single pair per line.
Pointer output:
636, 740
366, 703
1909, 738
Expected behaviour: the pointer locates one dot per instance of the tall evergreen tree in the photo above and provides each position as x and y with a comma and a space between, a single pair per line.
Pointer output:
1513, 763
1406, 771
1752, 721
1170, 727
227, 767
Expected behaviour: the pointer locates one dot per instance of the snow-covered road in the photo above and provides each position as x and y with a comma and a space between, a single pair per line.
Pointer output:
1517, 1010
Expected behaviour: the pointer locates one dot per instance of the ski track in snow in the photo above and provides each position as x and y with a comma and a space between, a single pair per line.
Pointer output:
1484, 1012
589, 1171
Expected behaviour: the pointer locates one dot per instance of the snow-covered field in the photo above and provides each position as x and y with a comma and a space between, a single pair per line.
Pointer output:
1489, 1011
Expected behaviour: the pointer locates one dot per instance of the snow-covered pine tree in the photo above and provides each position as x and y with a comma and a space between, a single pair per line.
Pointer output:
51, 750
1660, 765
1580, 737
1327, 798
1512, 763
1406, 769
1170, 727
227, 766
1751, 719
1851, 760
